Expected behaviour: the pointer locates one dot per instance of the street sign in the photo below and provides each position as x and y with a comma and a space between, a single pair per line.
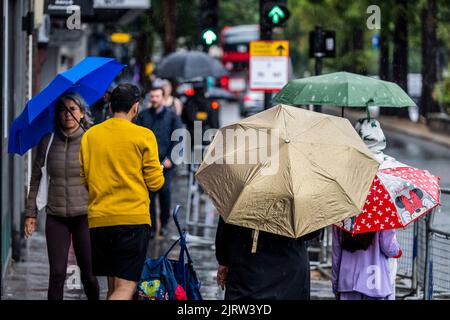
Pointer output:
269, 62
121, 4
120, 37
375, 41
58, 8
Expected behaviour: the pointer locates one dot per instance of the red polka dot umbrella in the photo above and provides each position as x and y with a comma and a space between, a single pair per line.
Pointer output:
397, 197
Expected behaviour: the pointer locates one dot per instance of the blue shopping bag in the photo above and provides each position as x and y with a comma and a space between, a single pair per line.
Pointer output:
158, 281
168, 279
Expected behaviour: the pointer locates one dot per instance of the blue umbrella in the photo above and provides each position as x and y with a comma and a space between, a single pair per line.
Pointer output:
90, 78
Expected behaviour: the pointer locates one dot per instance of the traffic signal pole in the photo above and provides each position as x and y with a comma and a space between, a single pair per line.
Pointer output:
265, 33
272, 14
318, 55
209, 17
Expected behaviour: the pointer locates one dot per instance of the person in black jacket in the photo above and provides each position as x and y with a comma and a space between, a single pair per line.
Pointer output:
162, 121
197, 108
279, 270
100, 109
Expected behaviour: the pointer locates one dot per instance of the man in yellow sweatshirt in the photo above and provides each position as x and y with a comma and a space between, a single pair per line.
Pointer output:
119, 165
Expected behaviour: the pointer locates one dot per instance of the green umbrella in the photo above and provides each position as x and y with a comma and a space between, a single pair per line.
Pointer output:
343, 89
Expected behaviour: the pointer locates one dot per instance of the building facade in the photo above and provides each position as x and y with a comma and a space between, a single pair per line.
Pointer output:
15, 84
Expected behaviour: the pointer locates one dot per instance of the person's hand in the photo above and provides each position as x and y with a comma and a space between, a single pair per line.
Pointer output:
30, 226
167, 164
222, 273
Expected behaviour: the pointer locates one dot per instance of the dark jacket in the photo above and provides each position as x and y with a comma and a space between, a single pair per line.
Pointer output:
162, 124
66, 195
279, 270
100, 111
192, 107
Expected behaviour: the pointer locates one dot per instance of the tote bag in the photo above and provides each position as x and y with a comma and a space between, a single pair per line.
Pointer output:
42, 195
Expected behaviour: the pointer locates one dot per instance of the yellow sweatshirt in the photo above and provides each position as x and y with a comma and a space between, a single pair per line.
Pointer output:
119, 165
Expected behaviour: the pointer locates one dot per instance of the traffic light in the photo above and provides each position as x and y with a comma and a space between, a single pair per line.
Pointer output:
322, 43
274, 13
209, 36
208, 22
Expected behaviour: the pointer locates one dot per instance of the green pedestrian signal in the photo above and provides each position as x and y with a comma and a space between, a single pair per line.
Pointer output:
209, 36
276, 14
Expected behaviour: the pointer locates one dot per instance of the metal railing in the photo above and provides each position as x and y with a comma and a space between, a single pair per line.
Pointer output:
426, 254
436, 276
201, 217
320, 250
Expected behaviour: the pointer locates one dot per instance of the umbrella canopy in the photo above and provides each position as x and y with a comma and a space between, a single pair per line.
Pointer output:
90, 78
343, 89
188, 65
398, 196
317, 170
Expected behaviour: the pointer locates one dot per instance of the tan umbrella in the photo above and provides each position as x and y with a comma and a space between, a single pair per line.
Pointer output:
313, 170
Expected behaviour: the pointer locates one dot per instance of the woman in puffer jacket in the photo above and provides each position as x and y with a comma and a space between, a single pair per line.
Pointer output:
66, 207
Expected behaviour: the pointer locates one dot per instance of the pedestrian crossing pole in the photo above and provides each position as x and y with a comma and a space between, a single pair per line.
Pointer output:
272, 14
321, 45
265, 33
318, 54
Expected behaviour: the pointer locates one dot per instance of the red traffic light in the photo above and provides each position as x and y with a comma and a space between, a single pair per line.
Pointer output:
224, 82
215, 105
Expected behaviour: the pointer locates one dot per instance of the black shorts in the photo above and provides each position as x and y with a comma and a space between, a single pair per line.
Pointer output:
120, 251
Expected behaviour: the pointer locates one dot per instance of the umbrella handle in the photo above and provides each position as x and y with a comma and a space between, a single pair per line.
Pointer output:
175, 218
79, 123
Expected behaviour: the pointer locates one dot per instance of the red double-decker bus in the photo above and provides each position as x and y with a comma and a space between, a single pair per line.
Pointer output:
235, 45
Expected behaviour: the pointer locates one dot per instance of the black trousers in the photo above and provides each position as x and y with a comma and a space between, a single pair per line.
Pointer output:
59, 232
164, 200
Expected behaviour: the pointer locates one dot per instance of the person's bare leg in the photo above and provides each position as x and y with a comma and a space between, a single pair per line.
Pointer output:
123, 289
110, 287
